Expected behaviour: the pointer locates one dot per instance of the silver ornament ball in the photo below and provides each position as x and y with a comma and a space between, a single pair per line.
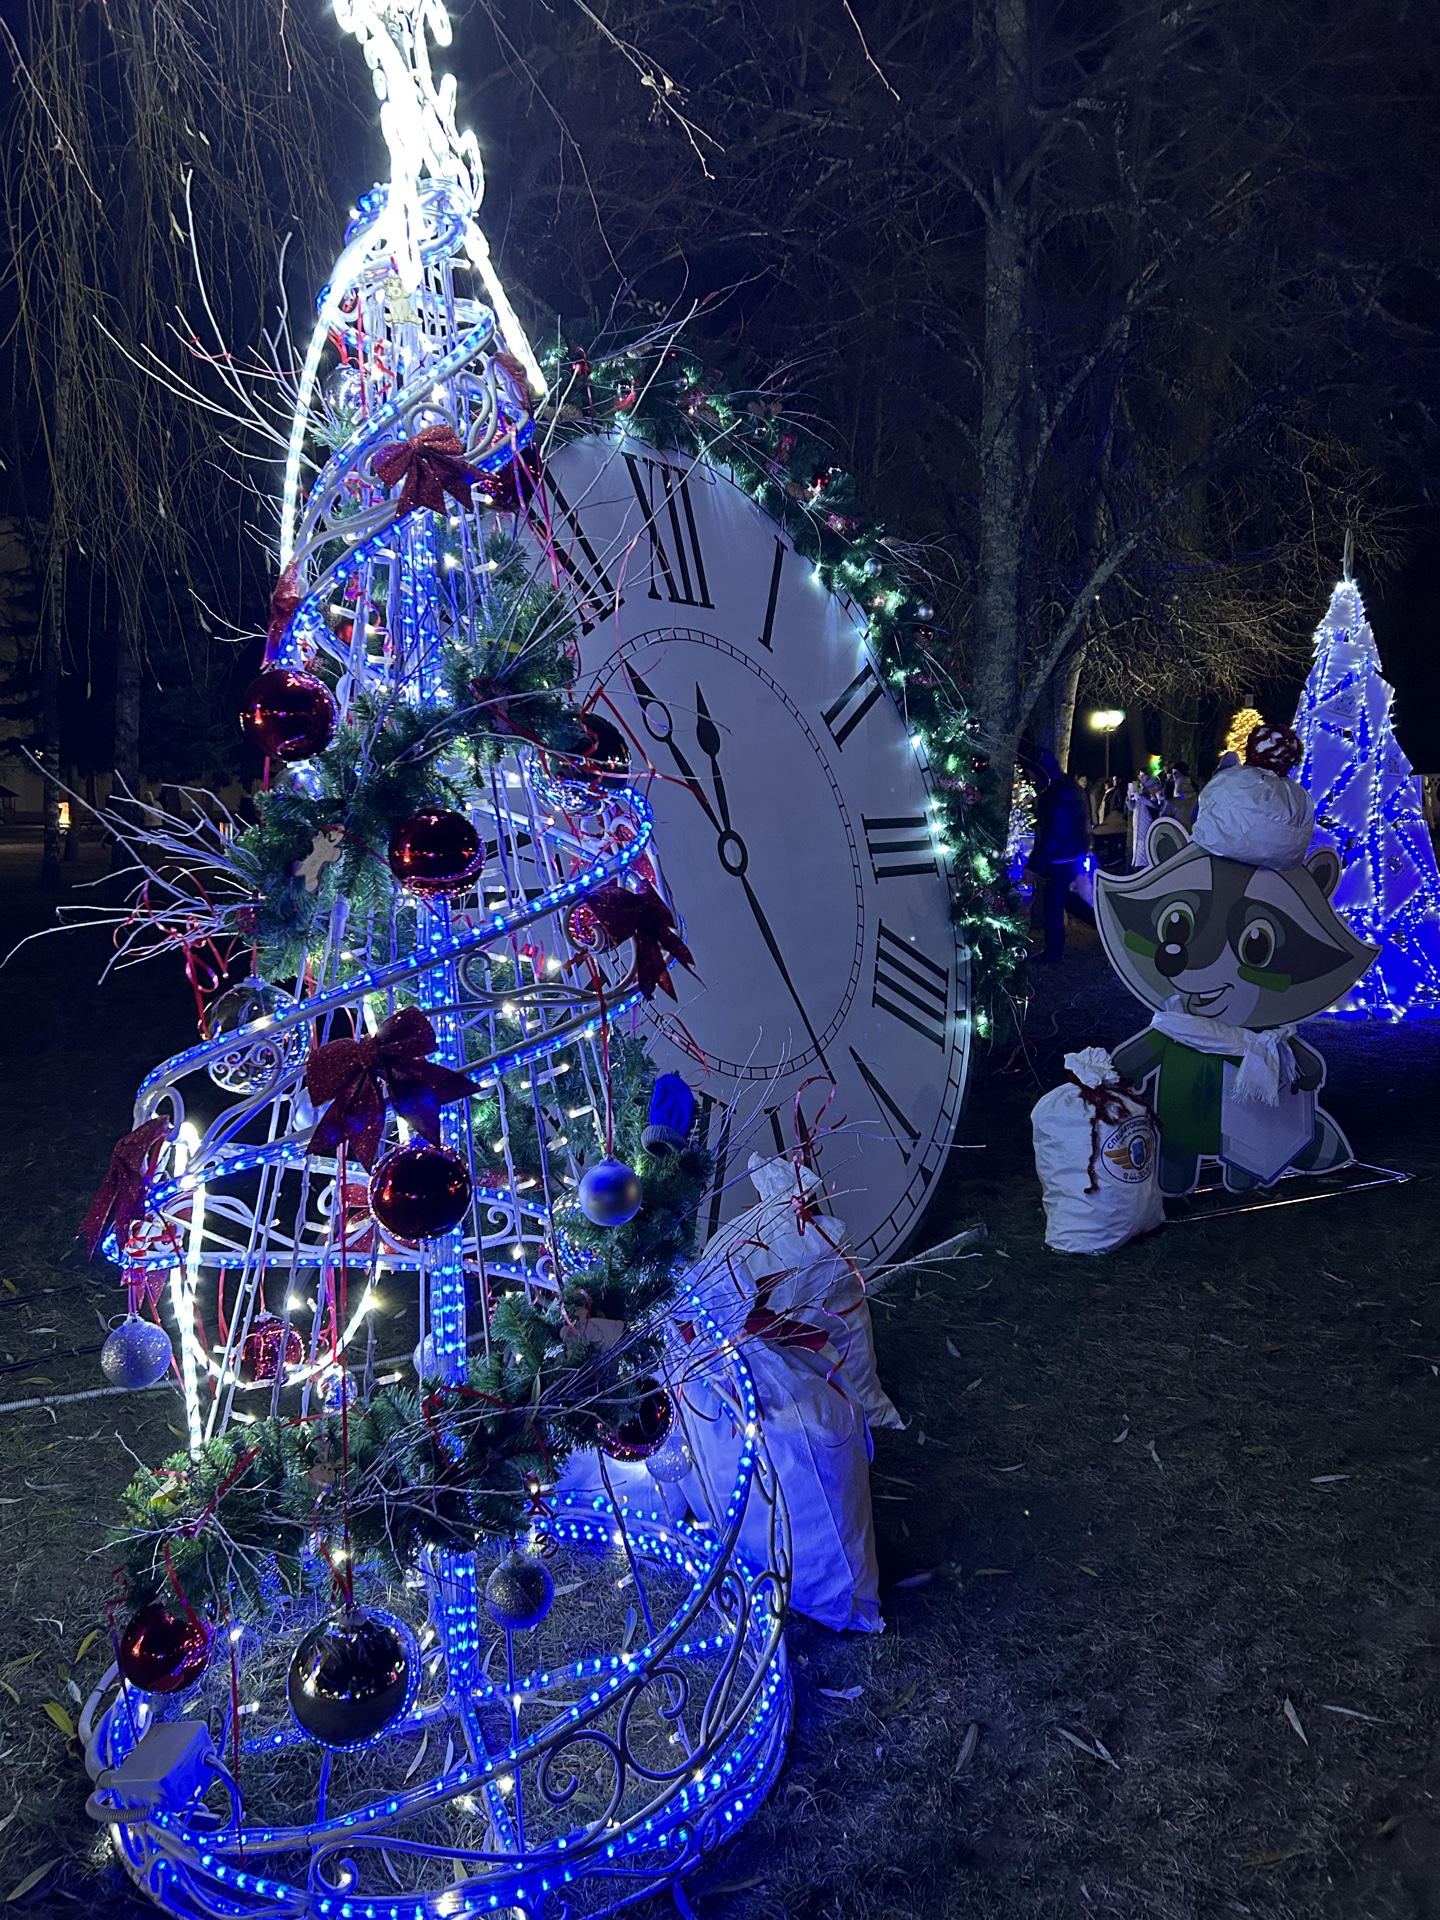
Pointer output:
672, 1459
257, 1059
136, 1355
519, 1593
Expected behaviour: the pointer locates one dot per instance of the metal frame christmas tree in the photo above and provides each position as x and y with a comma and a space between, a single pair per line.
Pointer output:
1368, 807
379, 1659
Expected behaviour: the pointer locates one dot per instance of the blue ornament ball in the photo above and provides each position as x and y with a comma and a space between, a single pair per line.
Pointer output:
610, 1194
136, 1355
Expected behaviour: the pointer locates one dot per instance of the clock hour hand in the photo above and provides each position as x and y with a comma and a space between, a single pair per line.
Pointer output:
649, 699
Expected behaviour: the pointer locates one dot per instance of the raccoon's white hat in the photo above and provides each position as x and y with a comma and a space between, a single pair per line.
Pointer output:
1249, 814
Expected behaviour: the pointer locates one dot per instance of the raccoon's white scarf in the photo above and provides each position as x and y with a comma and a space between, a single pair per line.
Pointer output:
1266, 1062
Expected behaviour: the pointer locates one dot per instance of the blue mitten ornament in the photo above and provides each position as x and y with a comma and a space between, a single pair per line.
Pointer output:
672, 1114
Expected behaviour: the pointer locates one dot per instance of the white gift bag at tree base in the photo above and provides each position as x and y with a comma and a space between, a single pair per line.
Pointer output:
819, 1446
1096, 1147
799, 1258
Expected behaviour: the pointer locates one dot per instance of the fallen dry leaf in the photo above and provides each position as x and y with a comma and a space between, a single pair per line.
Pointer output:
1293, 1717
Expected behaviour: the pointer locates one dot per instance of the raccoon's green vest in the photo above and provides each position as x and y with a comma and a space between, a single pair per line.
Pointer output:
1187, 1093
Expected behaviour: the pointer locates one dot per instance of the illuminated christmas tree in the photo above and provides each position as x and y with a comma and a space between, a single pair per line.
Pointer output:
379, 1657
1368, 807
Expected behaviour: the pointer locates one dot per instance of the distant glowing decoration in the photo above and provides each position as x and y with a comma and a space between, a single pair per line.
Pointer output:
1368, 806
1241, 727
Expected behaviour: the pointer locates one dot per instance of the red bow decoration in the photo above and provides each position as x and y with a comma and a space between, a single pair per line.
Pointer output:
357, 1077
433, 464
283, 601
644, 918
121, 1198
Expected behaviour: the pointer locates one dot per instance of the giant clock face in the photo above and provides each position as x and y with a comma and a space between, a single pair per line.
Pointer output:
793, 828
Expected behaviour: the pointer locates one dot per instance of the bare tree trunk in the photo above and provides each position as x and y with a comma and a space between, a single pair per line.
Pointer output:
52, 630
52, 627
127, 703
1060, 698
1003, 409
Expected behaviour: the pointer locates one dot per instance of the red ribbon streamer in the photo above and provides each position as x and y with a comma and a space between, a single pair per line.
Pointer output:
121, 1198
644, 918
1111, 1102
358, 1077
432, 464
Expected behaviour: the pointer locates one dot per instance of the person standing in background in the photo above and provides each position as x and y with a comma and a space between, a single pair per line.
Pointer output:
1180, 795
1143, 802
1062, 836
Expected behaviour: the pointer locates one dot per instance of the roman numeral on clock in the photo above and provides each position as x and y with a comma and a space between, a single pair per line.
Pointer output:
664, 498
768, 635
595, 593
907, 1134
911, 986
845, 714
899, 844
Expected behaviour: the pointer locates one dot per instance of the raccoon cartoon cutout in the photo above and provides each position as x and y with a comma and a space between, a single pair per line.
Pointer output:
1229, 934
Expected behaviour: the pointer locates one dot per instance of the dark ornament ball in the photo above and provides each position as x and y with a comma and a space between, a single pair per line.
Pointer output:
288, 715
645, 1431
519, 1593
605, 751
418, 1192
350, 1678
435, 852
610, 1194
269, 1345
163, 1652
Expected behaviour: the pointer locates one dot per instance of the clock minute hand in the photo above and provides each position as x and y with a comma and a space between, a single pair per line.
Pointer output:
707, 735
778, 957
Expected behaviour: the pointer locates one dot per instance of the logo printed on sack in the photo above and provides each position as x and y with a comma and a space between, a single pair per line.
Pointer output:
1128, 1151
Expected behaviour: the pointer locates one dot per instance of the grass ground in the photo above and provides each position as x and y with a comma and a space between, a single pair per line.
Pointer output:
1159, 1544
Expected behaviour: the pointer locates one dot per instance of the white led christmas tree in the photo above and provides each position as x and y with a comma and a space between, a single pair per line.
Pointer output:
1368, 807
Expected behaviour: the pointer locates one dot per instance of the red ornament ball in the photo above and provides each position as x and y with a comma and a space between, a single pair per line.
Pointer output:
1275, 749
163, 1652
288, 714
645, 1430
418, 1192
268, 1345
435, 852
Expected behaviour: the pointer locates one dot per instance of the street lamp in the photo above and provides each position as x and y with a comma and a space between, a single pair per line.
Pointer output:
1107, 720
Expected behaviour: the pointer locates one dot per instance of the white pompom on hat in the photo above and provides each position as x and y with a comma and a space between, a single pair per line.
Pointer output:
1261, 818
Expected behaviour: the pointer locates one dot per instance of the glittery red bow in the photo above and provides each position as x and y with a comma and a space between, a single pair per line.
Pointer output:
357, 1077
433, 464
121, 1198
644, 918
283, 601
